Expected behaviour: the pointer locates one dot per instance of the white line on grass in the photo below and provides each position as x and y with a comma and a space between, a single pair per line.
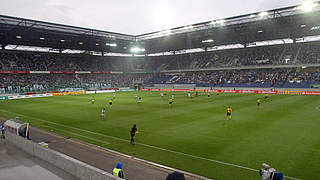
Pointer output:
146, 145
317, 107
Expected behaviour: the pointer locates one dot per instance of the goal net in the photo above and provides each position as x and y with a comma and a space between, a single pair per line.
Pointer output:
17, 127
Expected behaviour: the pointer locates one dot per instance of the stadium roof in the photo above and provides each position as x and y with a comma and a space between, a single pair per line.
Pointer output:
285, 23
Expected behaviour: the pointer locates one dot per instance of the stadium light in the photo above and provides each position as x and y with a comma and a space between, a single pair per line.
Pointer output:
167, 32
80, 43
18, 37
307, 6
303, 25
262, 14
111, 44
188, 27
97, 44
208, 41
137, 50
222, 21
62, 40
315, 28
260, 31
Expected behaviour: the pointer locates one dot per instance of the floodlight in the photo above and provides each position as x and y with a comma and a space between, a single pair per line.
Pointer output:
303, 67
111, 44
167, 32
80, 43
137, 50
18, 37
307, 6
42, 38
262, 14
221, 21
97, 44
260, 31
303, 25
207, 41
188, 27
62, 40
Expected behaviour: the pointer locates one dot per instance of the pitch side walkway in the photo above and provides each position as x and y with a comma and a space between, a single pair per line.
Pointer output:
102, 158
16, 164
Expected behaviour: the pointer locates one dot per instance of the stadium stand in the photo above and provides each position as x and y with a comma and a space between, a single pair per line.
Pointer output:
258, 57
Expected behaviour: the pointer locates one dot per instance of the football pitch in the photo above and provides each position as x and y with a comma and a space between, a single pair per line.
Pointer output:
192, 135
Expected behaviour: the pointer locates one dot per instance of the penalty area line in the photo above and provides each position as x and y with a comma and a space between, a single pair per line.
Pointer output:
146, 145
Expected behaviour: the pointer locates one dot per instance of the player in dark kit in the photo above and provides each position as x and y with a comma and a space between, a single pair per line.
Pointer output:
133, 132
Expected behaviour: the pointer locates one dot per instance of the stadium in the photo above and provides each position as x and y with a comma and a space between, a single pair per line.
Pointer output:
211, 100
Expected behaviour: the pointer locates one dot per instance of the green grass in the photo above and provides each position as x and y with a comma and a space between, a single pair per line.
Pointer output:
285, 133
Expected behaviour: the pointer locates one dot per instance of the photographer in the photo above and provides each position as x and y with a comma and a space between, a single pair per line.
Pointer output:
268, 173
3, 129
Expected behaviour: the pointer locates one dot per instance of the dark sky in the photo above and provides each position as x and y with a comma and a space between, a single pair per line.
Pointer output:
135, 16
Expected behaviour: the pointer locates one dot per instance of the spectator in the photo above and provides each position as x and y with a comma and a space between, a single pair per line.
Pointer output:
118, 172
2, 131
175, 176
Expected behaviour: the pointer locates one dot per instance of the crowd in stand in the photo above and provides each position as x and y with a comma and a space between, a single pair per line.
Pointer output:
50, 82
249, 78
300, 53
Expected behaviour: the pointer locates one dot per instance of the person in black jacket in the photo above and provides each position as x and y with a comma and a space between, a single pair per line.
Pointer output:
133, 132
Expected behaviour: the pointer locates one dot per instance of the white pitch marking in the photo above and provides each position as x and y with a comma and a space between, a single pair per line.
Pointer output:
317, 107
146, 145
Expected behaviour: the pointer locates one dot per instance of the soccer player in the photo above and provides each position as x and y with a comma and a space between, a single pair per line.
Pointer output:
172, 97
103, 112
110, 103
114, 95
92, 99
161, 94
266, 96
170, 102
258, 103
189, 95
136, 95
165, 93
229, 111
209, 95
133, 132
139, 100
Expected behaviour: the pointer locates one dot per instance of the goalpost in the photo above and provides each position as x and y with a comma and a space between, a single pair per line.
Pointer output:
17, 127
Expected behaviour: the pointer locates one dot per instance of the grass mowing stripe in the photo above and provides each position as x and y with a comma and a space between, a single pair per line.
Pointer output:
146, 145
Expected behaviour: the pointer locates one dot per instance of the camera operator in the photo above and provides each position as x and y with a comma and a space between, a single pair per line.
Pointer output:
268, 173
